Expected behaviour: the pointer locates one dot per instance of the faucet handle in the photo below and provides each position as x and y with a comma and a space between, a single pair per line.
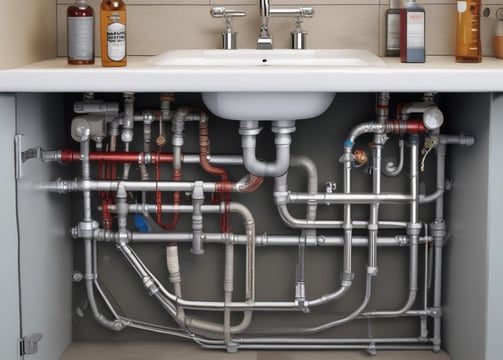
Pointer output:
221, 12
302, 11
229, 35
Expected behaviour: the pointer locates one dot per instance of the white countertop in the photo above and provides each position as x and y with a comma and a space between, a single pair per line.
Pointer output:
438, 74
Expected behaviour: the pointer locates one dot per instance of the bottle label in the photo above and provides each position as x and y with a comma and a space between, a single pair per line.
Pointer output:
415, 30
462, 6
393, 34
116, 40
80, 37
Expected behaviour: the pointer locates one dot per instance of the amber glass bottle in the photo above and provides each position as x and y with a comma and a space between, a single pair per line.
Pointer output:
113, 33
80, 33
468, 48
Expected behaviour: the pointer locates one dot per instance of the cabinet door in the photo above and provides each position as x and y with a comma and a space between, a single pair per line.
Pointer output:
9, 281
44, 231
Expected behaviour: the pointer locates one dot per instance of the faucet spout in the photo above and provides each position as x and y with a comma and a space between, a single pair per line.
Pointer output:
264, 40
264, 8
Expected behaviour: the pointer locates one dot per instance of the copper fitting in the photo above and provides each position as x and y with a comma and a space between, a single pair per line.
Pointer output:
360, 157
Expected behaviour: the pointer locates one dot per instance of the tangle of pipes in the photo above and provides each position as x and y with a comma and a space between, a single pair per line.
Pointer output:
416, 128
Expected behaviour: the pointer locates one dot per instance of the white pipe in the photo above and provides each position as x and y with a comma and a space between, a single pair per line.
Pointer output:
249, 131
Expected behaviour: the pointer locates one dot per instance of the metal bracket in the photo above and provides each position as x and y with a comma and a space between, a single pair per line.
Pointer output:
18, 156
28, 345
22, 156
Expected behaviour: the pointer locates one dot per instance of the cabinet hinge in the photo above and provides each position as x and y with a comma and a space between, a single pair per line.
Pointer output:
28, 345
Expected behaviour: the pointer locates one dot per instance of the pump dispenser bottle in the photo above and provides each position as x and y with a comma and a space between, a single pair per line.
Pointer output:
498, 36
80, 33
468, 48
113, 33
412, 34
393, 29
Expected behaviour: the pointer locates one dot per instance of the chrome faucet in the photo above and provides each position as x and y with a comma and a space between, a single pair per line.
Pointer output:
298, 35
264, 39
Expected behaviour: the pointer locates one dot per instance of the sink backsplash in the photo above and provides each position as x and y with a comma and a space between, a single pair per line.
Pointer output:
154, 26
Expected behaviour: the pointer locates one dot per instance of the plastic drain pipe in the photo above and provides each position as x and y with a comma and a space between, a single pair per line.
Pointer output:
249, 131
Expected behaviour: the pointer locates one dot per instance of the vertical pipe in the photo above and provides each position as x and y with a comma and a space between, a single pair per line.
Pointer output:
86, 227
438, 230
414, 227
127, 128
228, 288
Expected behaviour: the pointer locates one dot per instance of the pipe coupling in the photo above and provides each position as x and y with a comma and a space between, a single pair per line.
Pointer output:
414, 229
85, 229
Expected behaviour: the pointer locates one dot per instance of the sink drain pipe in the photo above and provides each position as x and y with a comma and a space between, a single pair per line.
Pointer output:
282, 130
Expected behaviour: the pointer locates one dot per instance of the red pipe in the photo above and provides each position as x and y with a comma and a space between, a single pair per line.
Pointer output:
413, 126
68, 155
204, 144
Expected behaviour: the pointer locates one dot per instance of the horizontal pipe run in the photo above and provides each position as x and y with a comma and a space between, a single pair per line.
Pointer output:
353, 198
357, 224
331, 341
333, 347
272, 240
68, 155
63, 186
114, 156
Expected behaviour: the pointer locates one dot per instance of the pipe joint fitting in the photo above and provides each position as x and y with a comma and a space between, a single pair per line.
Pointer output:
373, 227
105, 235
372, 270
148, 117
85, 229
90, 276
198, 191
177, 140
245, 131
347, 157
438, 229
300, 291
123, 237
283, 127
435, 312
414, 229
127, 135
347, 278
149, 284
117, 325
402, 240
282, 140
281, 197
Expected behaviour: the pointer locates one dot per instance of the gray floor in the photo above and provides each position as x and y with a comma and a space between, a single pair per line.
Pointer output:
188, 351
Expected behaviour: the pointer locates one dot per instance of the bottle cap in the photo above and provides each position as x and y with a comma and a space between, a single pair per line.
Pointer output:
394, 4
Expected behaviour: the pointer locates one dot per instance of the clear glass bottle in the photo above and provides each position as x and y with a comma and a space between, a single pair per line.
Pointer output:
80, 33
468, 48
113, 33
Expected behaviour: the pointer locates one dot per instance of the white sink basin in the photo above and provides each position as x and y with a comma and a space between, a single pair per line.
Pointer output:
275, 57
272, 106
267, 105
